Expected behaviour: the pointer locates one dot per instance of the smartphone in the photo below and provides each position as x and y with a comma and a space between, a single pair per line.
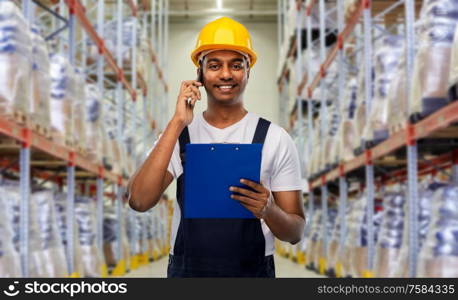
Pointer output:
200, 76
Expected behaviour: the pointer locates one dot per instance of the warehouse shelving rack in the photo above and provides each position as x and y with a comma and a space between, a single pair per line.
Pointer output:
407, 142
153, 93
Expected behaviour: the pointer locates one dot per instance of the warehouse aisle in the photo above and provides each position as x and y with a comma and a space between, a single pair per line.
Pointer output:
285, 268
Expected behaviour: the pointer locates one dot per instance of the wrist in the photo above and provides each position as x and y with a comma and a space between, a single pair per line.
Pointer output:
177, 123
269, 209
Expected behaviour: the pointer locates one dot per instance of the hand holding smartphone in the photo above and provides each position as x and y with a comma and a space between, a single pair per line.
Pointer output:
199, 79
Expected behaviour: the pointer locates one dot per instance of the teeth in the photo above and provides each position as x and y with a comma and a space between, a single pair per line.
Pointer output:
226, 86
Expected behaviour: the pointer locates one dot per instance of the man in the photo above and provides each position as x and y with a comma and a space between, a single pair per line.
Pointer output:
224, 247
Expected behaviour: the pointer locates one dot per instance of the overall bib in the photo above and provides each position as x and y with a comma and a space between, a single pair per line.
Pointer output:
219, 247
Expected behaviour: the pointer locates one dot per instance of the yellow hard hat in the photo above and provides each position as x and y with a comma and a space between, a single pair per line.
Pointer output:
224, 34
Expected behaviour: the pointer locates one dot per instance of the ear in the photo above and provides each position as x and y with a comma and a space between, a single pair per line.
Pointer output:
248, 74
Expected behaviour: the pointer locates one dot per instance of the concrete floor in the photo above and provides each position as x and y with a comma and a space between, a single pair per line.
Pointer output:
284, 268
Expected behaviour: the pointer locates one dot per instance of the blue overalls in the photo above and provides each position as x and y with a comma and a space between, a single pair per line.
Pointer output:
219, 247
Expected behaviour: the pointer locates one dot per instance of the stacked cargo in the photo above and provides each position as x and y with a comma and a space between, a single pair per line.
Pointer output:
439, 253
53, 259
386, 63
51, 117
94, 127
79, 113
10, 265
439, 19
391, 232
15, 62
60, 201
92, 256
63, 96
41, 85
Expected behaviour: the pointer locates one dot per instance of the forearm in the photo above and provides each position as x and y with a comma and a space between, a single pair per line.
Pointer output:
286, 227
146, 185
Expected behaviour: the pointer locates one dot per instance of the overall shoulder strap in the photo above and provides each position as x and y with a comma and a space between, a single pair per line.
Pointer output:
261, 131
183, 140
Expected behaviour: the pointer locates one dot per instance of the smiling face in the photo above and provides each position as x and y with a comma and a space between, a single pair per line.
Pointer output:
225, 75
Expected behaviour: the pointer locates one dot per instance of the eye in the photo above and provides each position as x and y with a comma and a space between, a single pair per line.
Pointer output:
237, 67
213, 67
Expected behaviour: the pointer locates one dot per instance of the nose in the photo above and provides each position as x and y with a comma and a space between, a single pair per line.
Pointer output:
226, 74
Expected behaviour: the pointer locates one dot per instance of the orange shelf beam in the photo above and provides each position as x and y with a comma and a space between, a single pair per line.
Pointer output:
438, 120
25, 135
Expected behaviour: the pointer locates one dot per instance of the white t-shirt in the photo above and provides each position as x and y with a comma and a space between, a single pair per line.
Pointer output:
280, 168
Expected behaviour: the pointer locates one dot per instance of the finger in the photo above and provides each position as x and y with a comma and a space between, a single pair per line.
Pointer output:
188, 97
197, 83
194, 90
254, 185
245, 192
194, 101
186, 83
246, 200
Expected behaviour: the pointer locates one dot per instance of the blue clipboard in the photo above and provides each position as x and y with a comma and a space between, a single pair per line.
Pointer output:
210, 169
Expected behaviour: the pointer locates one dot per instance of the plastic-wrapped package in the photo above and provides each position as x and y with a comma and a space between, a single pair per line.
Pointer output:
156, 234
142, 57
149, 232
334, 247
360, 111
63, 93
332, 217
93, 119
354, 223
37, 267
124, 240
331, 144
348, 140
141, 220
397, 100
391, 233
110, 238
314, 251
317, 153
425, 195
164, 225
343, 252
79, 112
41, 83
433, 59
53, 260
305, 242
357, 239
15, 61
110, 38
386, 62
439, 254
113, 142
453, 78
107, 151
60, 202
133, 224
315, 234
109, 233
92, 256
10, 265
